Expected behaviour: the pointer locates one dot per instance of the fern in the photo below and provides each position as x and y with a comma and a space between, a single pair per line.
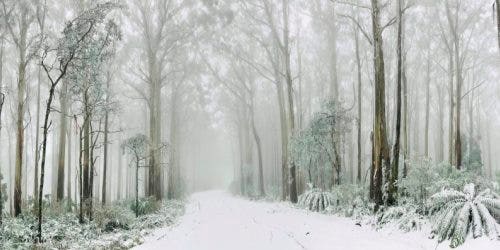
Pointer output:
316, 200
460, 213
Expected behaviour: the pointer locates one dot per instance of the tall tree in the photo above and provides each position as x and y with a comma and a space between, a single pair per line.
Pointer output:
498, 21
360, 104
393, 189
285, 47
380, 144
2, 101
19, 17
427, 106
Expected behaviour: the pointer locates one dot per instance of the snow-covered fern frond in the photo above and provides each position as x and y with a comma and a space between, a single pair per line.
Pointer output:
459, 214
316, 200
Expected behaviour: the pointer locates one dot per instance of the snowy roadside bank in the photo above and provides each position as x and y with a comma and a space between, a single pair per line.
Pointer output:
114, 227
215, 220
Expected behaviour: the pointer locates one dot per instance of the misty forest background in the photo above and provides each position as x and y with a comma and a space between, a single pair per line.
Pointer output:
104, 102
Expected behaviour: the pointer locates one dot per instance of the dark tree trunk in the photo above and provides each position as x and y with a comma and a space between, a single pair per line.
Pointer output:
358, 67
381, 148
393, 188
105, 156
62, 142
498, 21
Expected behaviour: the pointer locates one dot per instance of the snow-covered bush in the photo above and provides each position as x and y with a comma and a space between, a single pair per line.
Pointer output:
406, 217
351, 201
165, 215
110, 218
316, 148
62, 231
426, 178
459, 213
316, 200
145, 205
3, 190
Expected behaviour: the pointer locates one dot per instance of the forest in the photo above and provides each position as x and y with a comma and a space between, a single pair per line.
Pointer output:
249, 124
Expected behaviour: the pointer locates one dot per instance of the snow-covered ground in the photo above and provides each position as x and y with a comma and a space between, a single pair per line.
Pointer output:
216, 220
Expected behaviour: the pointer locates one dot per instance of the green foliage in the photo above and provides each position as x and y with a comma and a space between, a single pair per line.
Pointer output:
3, 188
114, 227
351, 200
471, 152
136, 146
425, 178
315, 148
165, 215
145, 206
407, 216
316, 200
111, 218
456, 214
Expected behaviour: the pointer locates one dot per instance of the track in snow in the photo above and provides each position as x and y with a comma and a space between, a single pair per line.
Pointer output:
215, 220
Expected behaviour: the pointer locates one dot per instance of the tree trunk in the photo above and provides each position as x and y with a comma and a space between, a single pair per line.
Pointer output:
37, 137
405, 116
155, 173
242, 155
120, 172
256, 137
105, 156
69, 165
2, 100
381, 149
136, 186
174, 173
498, 22
44, 154
441, 105
289, 82
86, 157
62, 141
80, 172
427, 106
358, 67
334, 85
452, 108
393, 183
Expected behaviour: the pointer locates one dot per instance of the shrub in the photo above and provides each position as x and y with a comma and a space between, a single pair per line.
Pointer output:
351, 201
426, 178
110, 218
316, 200
145, 206
166, 215
460, 213
407, 217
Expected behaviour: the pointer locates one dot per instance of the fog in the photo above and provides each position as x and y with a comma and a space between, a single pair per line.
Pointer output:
264, 98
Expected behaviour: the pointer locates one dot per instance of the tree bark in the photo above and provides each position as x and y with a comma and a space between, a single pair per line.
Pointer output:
452, 107
174, 173
289, 82
393, 183
37, 137
359, 123
69, 165
256, 137
62, 141
498, 22
427, 106
106, 145
2, 100
334, 84
381, 149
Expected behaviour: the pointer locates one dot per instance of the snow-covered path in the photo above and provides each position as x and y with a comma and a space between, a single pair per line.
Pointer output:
215, 220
